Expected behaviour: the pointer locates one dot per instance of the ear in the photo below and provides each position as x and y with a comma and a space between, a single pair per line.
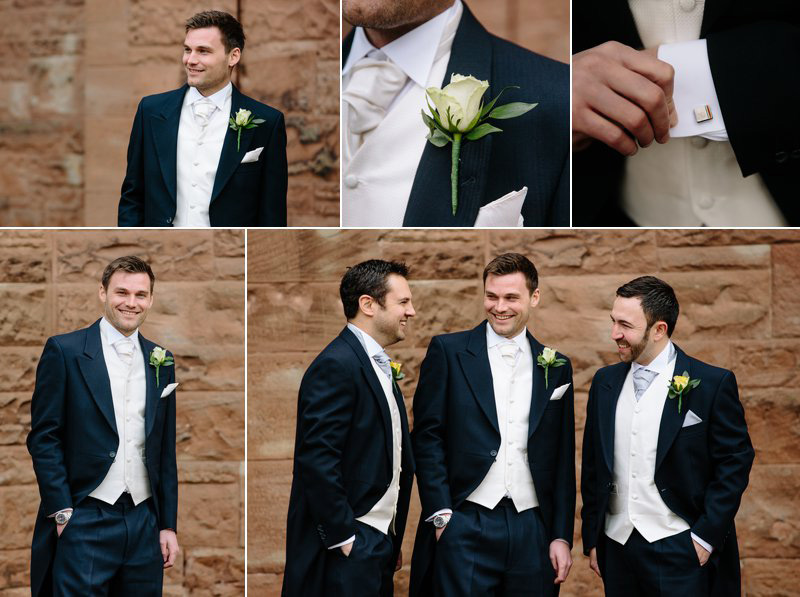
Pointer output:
535, 298
102, 293
659, 330
366, 304
234, 57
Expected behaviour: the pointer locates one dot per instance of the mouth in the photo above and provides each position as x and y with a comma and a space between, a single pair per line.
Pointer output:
193, 71
501, 317
128, 313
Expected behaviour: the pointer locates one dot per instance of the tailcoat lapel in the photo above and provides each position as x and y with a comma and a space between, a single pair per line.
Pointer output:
540, 395
92, 365
671, 419
374, 385
478, 373
429, 202
153, 391
231, 157
608, 395
165, 125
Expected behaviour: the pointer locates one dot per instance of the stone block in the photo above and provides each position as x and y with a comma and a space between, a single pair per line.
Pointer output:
773, 420
208, 512
23, 320
210, 425
18, 373
766, 524
768, 363
16, 467
268, 485
220, 571
22, 257
733, 257
19, 503
786, 290
724, 236
14, 570
770, 577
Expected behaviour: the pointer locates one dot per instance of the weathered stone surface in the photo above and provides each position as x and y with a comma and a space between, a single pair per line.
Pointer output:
19, 368
220, 571
773, 420
773, 363
770, 577
723, 236
442, 308
211, 425
208, 513
19, 503
786, 290
15, 466
24, 316
14, 569
268, 484
21, 258
715, 258
767, 523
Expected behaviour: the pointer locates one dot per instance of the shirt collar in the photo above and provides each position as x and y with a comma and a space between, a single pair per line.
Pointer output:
493, 338
659, 363
367, 341
413, 52
111, 334
219, 98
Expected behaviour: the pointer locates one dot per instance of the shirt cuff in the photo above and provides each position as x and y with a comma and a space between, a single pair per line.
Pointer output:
441, 512
702, 543
53, 515
694, 88
562, 540
350, 540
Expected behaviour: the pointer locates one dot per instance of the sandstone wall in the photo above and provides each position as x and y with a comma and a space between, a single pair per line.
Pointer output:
73, 73
740, 309
48, 285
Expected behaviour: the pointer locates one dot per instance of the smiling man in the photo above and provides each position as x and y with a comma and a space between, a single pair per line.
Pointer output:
188, 164
353, 466
666, 459
494, 442
102, 441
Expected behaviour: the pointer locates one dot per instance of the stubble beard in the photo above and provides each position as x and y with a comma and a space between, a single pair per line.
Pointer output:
388, 15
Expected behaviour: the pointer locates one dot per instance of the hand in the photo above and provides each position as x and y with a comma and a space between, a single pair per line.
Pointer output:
347, 548
399, 561
593, 562
60, 528
702, 553
169, 547
621, 96
561, 559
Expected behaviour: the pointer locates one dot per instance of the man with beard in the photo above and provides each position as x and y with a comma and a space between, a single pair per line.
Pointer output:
392, 176
102, 441
205, 154
494, 441
353, 467
666, 459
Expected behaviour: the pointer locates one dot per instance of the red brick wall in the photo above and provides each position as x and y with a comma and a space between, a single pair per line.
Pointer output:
48, 285
740, 309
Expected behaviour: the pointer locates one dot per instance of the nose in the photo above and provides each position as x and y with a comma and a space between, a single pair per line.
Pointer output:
615, 333
410, 311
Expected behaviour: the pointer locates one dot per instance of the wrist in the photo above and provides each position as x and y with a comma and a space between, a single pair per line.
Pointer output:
440, 520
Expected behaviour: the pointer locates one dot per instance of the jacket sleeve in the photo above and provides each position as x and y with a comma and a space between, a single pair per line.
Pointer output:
272, 211
589, 511
45, 440
168, 496
131, 203
429, 438
564, 491
731, 455
325, 408
754, 68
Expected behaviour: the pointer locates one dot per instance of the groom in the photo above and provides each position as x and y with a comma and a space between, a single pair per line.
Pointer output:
392, 176
102, 441
187, 164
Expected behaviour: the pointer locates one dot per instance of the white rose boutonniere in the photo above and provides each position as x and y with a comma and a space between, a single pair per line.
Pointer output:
243, 119
158, 359
458, 114
549, 359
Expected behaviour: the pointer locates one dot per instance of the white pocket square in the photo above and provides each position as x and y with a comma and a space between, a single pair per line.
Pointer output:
691, 419
504, 212
559, 392
169, 389
252, 156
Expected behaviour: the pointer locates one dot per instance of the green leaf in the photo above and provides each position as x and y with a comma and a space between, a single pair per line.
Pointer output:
487, 108
481, 131
511, 110
258, 120
429, 122
251, 126
434, 113
439, 138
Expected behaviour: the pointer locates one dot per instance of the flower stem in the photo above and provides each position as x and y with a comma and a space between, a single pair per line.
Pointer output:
454, 171
238, 139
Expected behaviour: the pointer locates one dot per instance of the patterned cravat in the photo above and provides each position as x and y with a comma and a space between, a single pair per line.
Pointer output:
509, 351
124, 348
383, 361
642, 378
203, 109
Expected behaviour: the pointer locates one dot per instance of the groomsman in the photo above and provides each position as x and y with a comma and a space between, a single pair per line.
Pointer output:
494, 442
187, 164
102, 441
353, 467
666, 459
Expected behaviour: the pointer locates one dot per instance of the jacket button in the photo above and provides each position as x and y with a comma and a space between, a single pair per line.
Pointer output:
169, 220
493, 453
781, 157
112, 454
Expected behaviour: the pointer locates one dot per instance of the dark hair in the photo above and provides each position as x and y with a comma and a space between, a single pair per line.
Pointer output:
131, 265
368, 277
511, 263
229, 27
658, 299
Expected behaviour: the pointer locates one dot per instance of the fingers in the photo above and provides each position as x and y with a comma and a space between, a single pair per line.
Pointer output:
60, 528
169, 551
593, 562
439, 532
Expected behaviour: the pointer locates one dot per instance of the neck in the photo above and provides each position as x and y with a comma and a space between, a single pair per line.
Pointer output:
212, 90
648, 356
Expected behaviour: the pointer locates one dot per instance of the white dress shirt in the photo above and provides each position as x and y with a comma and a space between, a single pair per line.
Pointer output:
198, 151
694, 179
376, 189
129, 392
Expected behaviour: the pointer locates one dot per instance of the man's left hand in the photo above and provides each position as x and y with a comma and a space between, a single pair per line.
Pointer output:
169, 547
561, 558
702, 553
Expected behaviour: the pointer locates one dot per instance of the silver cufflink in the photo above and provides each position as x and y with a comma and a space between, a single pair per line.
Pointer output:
703, 113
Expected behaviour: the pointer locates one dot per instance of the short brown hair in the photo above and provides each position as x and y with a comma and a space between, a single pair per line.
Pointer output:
370, 278
229, 27
129, 264
658, 300
511, 263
